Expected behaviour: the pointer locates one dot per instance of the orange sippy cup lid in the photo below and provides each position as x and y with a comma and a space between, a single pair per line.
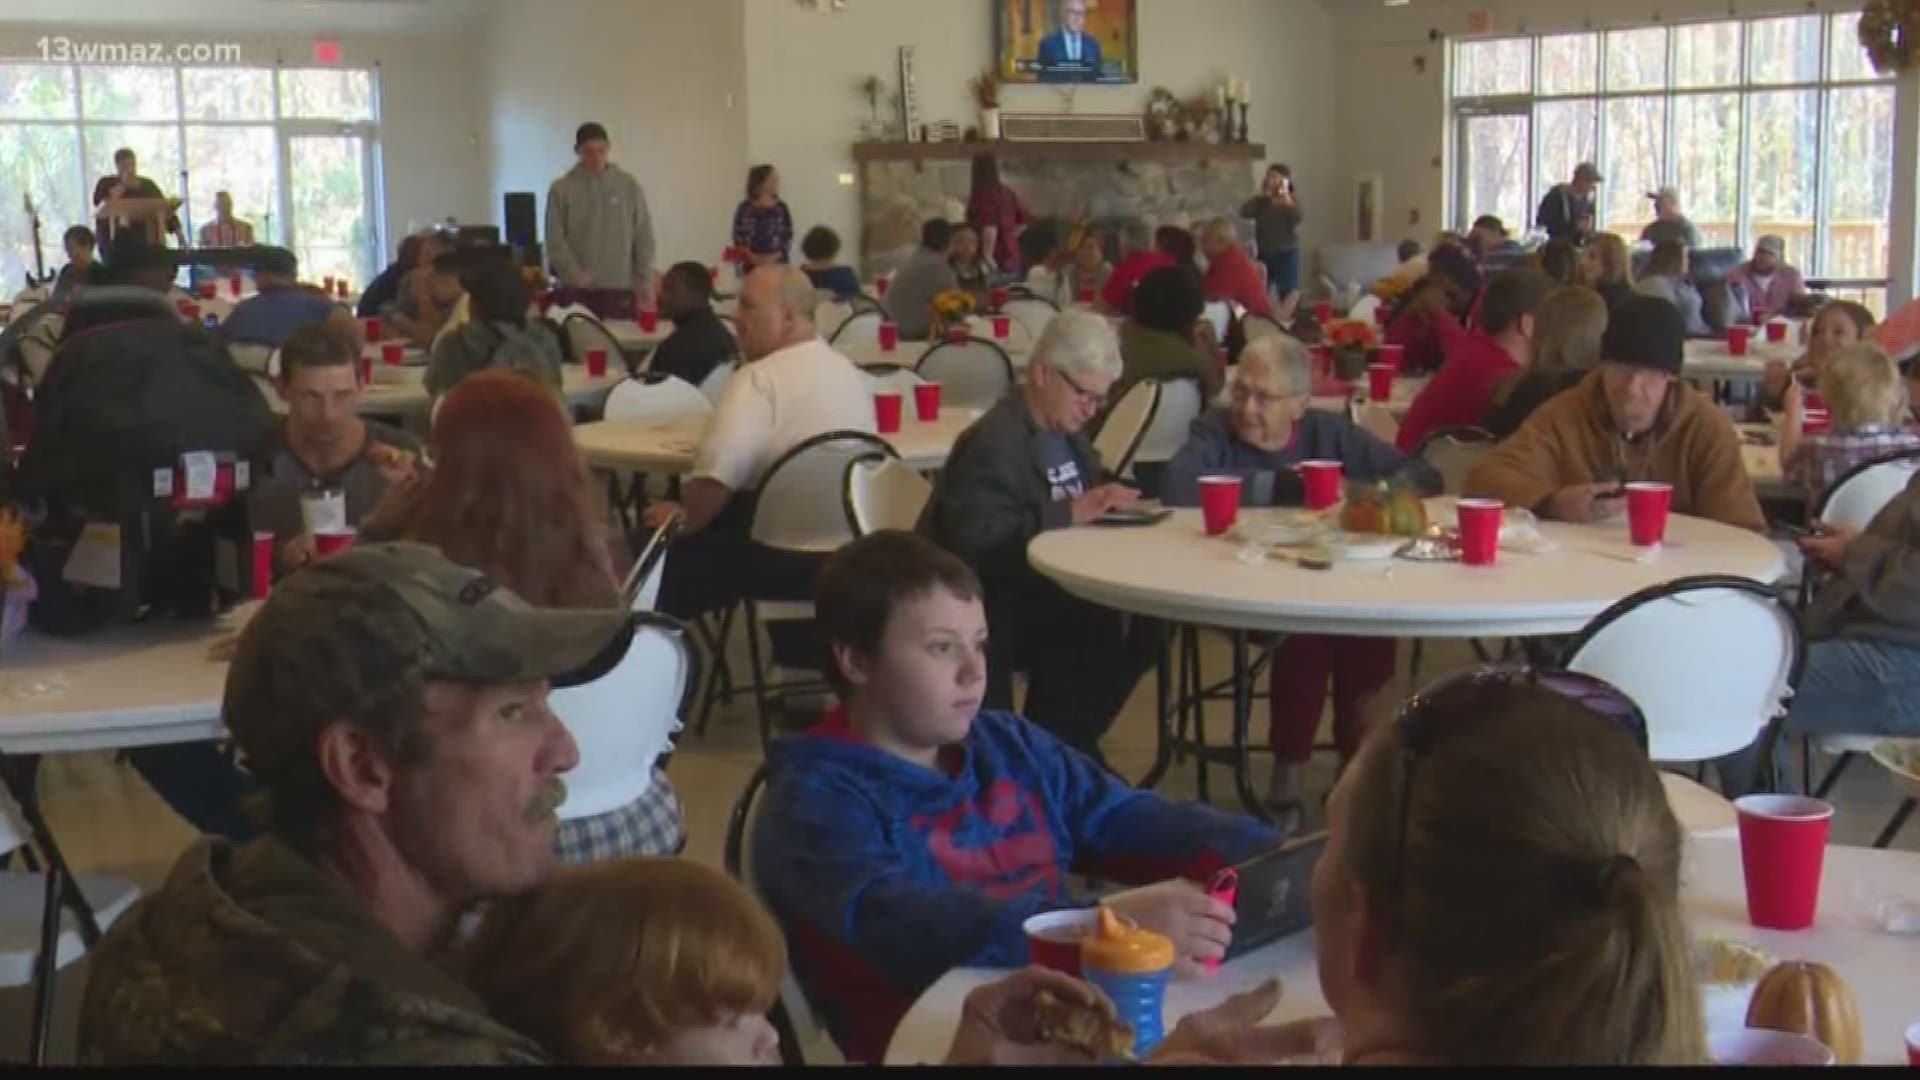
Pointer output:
1122, 949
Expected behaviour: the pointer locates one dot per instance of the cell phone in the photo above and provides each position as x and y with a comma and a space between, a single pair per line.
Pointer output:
1275, 892
1132, 516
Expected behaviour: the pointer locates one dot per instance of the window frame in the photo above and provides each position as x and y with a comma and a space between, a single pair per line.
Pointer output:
1827, 82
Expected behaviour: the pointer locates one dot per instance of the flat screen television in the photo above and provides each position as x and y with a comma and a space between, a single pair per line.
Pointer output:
1067, 41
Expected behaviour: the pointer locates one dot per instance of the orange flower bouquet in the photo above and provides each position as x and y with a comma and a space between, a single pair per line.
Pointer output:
17, 587
951, 308
1352, 343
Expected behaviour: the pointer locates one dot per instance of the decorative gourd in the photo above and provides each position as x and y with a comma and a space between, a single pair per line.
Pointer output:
1393, 509
1808, 999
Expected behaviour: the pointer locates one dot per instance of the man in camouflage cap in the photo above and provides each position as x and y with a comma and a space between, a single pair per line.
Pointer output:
392, 706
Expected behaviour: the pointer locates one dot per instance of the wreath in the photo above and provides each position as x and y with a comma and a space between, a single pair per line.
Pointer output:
1890, 32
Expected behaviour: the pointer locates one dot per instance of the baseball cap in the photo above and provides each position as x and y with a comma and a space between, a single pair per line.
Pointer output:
1664, 193
342, 634
1646, 331
588, 132
1772, 243
1587, 170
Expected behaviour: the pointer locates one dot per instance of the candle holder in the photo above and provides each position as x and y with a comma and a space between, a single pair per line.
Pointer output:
1243, 122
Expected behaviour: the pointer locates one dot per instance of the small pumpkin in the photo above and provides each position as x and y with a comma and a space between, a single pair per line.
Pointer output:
1806, 998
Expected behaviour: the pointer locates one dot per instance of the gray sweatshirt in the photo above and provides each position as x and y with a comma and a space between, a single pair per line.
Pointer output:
1275, 228
600, 224
1876, 593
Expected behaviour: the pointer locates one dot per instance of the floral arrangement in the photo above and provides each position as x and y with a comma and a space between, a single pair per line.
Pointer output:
17, 588
952, 308
1351, 342
985, 88
1392, 287
1890, 32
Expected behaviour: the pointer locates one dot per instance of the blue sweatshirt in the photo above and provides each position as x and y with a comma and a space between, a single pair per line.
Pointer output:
885, 874
1269, 477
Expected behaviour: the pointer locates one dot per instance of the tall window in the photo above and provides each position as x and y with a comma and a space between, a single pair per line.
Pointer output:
1765, 126
292, 145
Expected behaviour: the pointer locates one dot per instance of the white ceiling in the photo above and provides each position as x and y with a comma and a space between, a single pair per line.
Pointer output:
345, 17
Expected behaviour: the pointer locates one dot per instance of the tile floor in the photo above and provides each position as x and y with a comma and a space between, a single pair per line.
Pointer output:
109, 821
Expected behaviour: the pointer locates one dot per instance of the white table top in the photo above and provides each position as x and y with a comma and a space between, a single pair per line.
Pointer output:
1883, 969
1763, 462
1174, 571
402, 390
669, 445
866, 352
1709, 359
128, 686
1404, 391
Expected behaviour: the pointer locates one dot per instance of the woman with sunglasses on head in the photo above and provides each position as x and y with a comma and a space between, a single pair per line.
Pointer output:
1500, 887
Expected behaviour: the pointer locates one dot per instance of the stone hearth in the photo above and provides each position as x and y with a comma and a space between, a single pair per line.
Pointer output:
903, 184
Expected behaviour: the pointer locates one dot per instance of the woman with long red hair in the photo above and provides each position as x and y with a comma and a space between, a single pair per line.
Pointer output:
508, 495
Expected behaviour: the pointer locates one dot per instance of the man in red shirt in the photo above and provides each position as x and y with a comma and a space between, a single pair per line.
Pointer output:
1138, 259
1231, 274
1475, 361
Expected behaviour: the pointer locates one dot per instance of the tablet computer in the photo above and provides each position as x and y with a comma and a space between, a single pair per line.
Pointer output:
1274, 894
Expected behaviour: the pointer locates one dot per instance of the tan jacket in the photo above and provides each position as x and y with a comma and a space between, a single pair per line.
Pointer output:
1570, 440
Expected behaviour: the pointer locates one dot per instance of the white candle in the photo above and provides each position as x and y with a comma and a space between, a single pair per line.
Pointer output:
1246, 90
1220, 97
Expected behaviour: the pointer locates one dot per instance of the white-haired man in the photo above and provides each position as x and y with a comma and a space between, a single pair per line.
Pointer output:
1232, 275
1262, 436
792, 387
1021, 469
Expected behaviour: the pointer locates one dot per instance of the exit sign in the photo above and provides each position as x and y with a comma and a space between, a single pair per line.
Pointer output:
326, 52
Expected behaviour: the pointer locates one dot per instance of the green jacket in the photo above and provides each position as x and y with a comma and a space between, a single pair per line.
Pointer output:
254, 956
1156, 354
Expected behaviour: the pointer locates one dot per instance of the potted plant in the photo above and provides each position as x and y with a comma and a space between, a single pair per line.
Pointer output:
1352, 344
986, 94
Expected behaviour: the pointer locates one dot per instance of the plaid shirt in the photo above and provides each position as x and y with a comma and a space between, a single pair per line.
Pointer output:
1822, 458
649, 825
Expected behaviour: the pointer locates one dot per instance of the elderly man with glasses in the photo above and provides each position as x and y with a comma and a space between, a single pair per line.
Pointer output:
1021, 469
1263, 434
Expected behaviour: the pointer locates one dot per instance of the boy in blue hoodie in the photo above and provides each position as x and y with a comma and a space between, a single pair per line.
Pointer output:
910, 833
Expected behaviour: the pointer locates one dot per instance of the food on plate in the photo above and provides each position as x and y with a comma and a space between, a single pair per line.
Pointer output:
1725, 961
1384, 507
1809, 999
1084, 1026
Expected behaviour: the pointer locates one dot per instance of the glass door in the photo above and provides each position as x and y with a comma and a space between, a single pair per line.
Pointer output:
1493, 174
330, 223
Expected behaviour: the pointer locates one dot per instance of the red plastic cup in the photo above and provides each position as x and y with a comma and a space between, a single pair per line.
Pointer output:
233, 284
1086, 295
326, 284
1764, 1046
1323, 311
880, 287
997, 298
1480, 530
188, 309
208, 290
262, 563
342, 285
1776, 331
1219, 502
1814, 417
889, 336
1322, 480
1053, 938
332, 541
374, 330
597, 363
1647, 504
1382, 315
366, 370
958, 333
1783, 842
1913, 1046
1737, 338
1380, 381
649, 321
1394, 356
393, 353
713, 274
926, 401
1002, 326
886, 413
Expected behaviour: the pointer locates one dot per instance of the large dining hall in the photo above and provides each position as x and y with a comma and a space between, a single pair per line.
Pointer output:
960, 532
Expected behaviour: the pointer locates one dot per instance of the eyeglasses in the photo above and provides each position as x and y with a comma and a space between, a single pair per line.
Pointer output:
1084, 394
1421, 721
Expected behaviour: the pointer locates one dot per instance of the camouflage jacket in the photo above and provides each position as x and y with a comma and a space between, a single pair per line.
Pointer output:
253, 955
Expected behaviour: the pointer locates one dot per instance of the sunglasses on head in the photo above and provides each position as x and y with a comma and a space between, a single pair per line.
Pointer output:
1423, 721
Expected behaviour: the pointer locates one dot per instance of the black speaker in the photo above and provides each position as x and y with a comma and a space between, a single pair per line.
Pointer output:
521, 214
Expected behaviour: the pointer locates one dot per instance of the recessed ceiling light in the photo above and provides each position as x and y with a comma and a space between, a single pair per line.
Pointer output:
1398, 3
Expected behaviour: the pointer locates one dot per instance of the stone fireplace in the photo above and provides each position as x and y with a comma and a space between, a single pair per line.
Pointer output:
1164, 183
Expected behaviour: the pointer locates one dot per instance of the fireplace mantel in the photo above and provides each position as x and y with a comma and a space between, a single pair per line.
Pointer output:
1081, 151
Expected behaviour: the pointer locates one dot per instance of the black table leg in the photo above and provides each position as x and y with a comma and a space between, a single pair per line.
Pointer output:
1242, 720
1164, 697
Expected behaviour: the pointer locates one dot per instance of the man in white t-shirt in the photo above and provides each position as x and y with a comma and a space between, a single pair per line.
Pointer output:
793, 386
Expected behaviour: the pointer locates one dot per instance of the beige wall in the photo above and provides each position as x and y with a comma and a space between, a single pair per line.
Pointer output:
804, 111
1392, 118
666, 77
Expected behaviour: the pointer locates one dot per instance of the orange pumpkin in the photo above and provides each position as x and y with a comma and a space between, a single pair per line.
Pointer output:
1808, 999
